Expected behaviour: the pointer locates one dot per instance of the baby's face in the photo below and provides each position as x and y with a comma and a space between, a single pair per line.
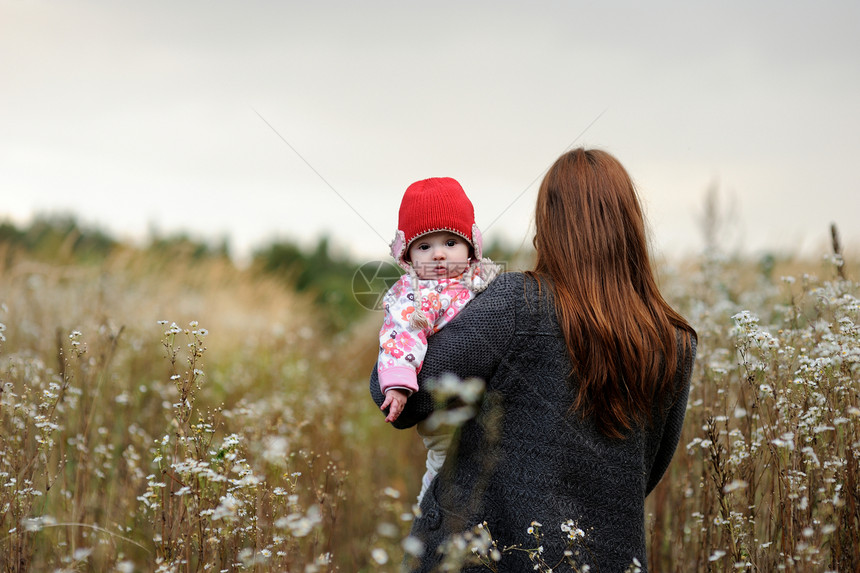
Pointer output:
439, 255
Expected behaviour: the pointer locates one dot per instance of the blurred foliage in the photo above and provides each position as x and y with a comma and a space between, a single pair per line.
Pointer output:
328, 277
333, 281
511, 258
63, 240
319, 271
58, 238
181, 244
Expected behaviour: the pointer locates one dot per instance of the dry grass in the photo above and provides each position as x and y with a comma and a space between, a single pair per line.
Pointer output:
765, 478
247, 441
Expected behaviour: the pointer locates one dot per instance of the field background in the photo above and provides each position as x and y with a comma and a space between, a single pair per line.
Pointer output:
165, 410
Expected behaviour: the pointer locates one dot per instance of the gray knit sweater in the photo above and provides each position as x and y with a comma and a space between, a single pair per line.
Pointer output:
525, 457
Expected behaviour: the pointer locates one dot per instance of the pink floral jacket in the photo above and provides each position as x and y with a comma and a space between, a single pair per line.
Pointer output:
401, 347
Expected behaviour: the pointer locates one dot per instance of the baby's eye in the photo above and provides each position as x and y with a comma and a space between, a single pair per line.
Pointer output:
451, 242
423, 247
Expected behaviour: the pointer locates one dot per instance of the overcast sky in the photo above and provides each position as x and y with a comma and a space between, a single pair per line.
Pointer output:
164, 114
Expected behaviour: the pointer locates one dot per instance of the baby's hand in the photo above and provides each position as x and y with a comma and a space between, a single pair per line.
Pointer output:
395, 400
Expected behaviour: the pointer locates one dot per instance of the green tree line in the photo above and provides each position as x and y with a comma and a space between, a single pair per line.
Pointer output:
319, 271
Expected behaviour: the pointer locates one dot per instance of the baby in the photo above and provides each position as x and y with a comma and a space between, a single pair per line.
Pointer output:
440, 247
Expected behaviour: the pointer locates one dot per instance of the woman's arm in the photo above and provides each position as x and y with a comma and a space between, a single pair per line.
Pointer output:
674, 420
471, 345
418, 406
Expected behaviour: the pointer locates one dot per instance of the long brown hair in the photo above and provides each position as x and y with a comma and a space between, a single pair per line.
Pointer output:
621, 334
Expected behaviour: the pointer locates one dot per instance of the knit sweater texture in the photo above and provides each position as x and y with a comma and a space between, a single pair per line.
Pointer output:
525, 457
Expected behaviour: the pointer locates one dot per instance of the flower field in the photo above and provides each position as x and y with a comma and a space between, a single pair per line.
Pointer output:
170, 414
765, 478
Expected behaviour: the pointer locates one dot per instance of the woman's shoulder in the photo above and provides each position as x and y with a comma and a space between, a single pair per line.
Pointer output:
508, 283
516, 293
507, 288
522, 287
502, 297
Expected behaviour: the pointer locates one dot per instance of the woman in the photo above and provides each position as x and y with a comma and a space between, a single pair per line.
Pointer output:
587, 373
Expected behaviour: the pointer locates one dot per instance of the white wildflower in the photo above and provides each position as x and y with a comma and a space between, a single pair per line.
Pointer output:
300, 525
413, 546
37, 523
735, 485
386, 529
392, 493
784, 441
379, 555
276, 449
228, 508
745, 318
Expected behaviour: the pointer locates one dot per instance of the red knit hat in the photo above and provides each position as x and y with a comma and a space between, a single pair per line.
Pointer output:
430, 205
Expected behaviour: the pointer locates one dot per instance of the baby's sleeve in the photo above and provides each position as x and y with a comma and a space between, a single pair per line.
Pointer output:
401, 347
473, 345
